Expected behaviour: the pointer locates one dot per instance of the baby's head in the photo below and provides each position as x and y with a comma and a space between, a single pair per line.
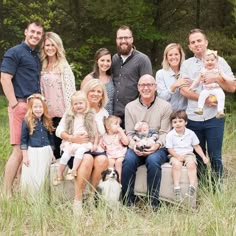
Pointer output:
142, 127
210, 59
79, 102
112, 123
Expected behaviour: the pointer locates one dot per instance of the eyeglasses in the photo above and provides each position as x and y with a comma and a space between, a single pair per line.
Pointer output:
125, 38
146, 85
39, 96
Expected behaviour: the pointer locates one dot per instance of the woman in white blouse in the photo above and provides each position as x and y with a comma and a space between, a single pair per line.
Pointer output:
168, 81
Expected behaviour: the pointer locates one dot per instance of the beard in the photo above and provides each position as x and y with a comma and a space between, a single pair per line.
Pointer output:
124, 51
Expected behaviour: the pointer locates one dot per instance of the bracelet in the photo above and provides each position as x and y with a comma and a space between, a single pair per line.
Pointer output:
15, 105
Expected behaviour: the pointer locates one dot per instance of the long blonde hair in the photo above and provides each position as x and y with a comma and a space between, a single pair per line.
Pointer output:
60, 53
31, 119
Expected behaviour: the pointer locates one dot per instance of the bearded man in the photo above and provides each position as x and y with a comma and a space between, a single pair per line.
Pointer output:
128, 65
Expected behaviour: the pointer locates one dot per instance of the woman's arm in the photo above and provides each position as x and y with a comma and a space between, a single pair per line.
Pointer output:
68, 84
162, 89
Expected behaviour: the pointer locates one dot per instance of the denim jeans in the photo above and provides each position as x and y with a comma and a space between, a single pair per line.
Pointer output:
210, 134
153, 163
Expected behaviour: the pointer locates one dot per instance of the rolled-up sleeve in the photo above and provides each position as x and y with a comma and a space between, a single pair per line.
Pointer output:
24, 136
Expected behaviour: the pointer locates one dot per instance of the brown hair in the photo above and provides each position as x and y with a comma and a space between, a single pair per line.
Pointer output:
193, 31
36, 22
100, 53
178, 114
124, 27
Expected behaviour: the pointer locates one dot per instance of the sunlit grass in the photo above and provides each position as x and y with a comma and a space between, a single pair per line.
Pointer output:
215, 213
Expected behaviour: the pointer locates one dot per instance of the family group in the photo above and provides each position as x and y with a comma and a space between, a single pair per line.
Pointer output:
121, 117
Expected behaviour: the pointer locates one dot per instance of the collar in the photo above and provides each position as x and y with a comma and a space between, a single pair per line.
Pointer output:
172, 73
197, 60
140, 100
186, 132
127, 58
28, 48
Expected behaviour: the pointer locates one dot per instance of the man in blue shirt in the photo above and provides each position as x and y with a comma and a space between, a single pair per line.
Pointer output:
20, 77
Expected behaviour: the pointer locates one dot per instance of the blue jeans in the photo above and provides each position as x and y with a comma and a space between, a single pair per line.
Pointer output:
153, 163
210, 134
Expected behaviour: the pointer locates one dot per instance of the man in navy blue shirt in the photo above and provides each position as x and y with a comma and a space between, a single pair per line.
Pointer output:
20, 77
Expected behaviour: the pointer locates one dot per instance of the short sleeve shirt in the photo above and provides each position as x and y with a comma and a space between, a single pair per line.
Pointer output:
24, 64
182, 144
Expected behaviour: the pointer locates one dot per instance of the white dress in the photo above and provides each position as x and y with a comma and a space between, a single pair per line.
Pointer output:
35, 175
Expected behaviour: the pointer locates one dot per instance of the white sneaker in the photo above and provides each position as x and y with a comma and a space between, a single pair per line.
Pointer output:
177, 193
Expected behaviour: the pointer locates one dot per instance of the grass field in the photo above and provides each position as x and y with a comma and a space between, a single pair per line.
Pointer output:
215, 214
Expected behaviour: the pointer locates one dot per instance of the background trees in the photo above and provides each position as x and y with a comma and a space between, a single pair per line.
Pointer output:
86, 25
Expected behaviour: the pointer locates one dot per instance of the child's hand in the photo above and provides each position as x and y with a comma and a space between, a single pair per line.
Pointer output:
180, 158
119, 129
26, 160
94, 148
205, 160
53, 159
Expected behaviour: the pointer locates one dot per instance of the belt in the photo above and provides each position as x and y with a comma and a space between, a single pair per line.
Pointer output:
21, 99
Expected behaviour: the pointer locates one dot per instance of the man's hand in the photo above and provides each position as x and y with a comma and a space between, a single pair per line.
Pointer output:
152, 149
210, 78
138, 153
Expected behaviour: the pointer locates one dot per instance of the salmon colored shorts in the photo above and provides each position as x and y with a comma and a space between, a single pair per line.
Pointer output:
16, 116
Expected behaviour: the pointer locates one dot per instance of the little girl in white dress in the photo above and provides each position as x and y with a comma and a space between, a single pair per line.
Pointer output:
37, 146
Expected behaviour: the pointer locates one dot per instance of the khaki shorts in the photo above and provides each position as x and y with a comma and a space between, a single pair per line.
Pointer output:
189, 158
16, 116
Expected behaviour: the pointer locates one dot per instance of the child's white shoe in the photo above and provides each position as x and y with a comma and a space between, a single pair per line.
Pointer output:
199, 111
177, 193
69, 175
58, 181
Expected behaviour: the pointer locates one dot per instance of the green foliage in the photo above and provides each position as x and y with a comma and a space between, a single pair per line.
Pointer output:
88, 25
